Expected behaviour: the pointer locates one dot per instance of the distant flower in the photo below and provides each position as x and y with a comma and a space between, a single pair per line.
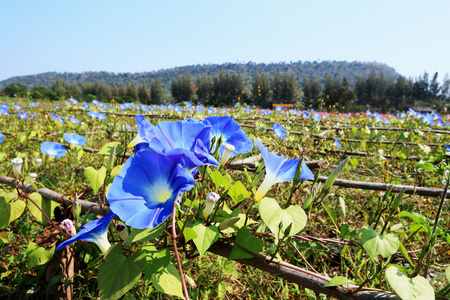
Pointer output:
97, 115
4, 111
95, 232
75, 139
23, 115
144, 192
337, 143
53, 149
232, 134
18, 106
1, 137
73, 100
280, 132
74, 120
278, 170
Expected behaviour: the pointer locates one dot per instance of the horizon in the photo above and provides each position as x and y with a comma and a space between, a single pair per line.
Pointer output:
116, 37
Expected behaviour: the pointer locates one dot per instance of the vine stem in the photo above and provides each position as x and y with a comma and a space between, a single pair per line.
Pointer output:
174, 239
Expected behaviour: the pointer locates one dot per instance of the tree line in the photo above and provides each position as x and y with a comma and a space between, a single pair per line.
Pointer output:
375, 91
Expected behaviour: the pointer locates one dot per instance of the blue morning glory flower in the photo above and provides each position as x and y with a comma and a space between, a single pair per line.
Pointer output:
337, 143
278, 170
4, 111
1, 137
53, 149
18, 106
190, 138
144, 192
231, 132
145, 133
95, 232
74, 120
280, 132
75, 139
23, 115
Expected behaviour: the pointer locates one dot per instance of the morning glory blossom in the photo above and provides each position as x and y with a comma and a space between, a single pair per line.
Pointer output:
53, 149
278, 170
144, 192
337, 143
144, 133
95, 232
1, 137
192, 139
75, 139
232, 134
280, 132
23, 115
74, 120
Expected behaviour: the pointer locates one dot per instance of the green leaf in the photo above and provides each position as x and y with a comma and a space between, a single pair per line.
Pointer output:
272, 215
245, 239
118, 274
143, 235
336, 281
95, 178
409, 288
46, 205
447, 273
376, 244
107, 149
335, 174
37, 256
155, 259
17, 208
414, 216
206, 236
5, 213
219, 180
189, 234
354, 162
168, 281
116, 170
238, 192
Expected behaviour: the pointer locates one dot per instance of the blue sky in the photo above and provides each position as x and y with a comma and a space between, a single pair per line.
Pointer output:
137, 36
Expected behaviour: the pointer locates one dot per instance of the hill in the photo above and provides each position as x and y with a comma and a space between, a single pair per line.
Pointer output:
337, 68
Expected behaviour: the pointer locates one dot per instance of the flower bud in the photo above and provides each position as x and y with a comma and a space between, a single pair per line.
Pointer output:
122, 231
68, 226
17, 166
38, 162
228, 222
438, 136
211, 199
33, 177
228, 149
190, 281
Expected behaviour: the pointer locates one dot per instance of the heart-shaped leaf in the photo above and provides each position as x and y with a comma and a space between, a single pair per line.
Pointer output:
245, 239
155, 259
95, 178
5, 213
107, 149
37, 256
118, 274
168, 281
376, 244
220, 180
238, 192
278, 219
47, 206
417, 288
17, 208
338, 280
206, 236
143, 235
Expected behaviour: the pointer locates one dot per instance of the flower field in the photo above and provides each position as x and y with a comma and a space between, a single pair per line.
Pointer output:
183, 201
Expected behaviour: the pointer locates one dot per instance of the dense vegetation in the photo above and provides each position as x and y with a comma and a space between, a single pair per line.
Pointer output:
326, 85
367, 220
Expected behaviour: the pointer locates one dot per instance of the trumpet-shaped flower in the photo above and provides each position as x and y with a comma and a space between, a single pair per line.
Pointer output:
144, 192
190, 139
278, 170
75, 139
145, 133
280, 132
232, 134
95, 232
53, 149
